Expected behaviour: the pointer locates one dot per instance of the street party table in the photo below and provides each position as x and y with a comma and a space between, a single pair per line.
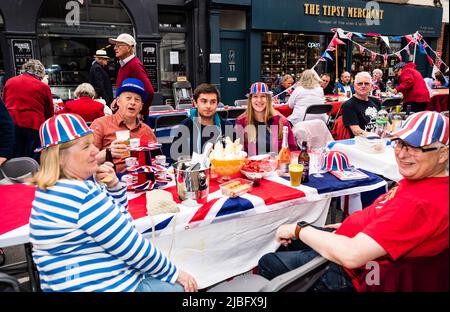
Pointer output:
438, 100
383, 164
222, 238
286, 111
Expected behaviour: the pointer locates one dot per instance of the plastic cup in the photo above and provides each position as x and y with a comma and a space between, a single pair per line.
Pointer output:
295, 172
124, 137
130, 162
135, 143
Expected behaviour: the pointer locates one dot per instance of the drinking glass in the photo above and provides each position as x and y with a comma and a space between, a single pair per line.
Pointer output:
319, 154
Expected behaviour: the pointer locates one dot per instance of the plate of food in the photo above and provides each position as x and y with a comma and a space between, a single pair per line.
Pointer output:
259, 167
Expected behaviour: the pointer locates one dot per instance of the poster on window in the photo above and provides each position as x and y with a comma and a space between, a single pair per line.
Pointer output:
22, 52
150, 62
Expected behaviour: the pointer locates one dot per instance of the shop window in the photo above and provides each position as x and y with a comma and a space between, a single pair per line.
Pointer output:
232, 20
173, 60
289, 53
172, 50
67, 51
364, 62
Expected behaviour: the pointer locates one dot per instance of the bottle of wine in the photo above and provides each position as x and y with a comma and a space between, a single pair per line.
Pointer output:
303, 158
284, 156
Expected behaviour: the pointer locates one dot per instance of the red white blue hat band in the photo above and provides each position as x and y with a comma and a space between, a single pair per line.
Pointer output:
259, 87
336, 161
61, 129
424, 128
133, 85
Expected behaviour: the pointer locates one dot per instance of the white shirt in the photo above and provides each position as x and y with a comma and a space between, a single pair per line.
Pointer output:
301, 98
126, 60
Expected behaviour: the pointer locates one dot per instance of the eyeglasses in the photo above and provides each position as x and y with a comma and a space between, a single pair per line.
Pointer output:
363, 83
399, 145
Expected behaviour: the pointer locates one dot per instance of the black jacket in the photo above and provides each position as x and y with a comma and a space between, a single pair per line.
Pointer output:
99, 79
6, 132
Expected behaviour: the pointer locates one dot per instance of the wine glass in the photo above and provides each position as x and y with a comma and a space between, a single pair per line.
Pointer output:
319, 153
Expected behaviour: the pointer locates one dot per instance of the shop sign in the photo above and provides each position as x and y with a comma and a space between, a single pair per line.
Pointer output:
22, 52
313, 45
150, 62
343, 11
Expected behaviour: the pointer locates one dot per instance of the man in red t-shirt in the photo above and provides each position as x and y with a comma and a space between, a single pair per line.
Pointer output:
410, 221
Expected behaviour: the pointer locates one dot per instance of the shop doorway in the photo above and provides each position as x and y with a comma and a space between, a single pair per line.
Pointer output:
233, 81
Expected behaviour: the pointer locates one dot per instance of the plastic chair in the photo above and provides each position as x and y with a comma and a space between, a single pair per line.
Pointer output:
242, 102
8, 283
182, 93
17, 170
158, 108
298, 280
318, 109
313, 131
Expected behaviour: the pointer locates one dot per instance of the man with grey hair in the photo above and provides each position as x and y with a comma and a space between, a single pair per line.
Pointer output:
359, 113
29, 102
377, 81
285, 83
131, 67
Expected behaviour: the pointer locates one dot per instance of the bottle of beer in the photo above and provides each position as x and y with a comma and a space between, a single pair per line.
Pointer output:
303, 158
108, 157
284, 156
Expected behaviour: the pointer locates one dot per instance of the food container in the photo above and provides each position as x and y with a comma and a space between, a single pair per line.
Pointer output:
236, 187
371, 144
192, 182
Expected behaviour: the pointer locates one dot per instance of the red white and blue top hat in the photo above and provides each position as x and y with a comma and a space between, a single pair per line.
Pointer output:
424, 128
259, 87
336, 161
61, 129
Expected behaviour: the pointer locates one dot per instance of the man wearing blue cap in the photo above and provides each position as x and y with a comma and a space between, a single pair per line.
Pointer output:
130, 98
408, 223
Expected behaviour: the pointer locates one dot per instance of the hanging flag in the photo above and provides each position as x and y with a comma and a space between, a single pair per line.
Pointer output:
326, 55
386, 40
337, 41
340, 33
430, 60
360, 35
385, 59
418, 36
322, 59
361, 49
349, 35
410, 38
372, 35
275, 100
425, 45
408, 49
373, 56
291, 89
421, 49
396, 38
331, 49
399, 55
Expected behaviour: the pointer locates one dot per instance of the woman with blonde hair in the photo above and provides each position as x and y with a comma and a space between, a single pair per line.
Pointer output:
84, 104
308, 93
261, 126
82, 234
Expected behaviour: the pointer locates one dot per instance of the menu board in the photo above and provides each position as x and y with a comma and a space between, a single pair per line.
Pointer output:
22, 51
150, 62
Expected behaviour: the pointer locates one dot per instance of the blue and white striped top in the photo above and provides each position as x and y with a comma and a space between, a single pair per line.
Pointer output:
84, 240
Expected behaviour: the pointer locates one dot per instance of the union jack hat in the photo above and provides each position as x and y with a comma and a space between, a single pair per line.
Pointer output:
133, 85
336, 161
259, 87
61, 129
424, 128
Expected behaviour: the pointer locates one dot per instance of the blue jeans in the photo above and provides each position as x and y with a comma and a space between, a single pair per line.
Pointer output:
277, 263
151, 284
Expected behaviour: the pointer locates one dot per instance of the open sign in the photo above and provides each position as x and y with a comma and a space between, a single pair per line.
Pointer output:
313, 45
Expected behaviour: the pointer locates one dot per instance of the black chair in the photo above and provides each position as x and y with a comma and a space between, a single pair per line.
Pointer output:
169, 120
318, 109
390, 103
8, 283
223, 114
158, 108
234, 113
17, 170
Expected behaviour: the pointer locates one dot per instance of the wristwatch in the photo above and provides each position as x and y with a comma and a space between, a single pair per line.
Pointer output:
300, 225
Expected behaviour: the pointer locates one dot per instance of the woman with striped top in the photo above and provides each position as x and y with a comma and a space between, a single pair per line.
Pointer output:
82, 234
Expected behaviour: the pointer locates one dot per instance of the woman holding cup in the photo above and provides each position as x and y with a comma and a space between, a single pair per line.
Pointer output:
82, 234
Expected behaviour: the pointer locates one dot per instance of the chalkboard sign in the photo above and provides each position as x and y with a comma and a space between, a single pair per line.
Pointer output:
22, 52
150, 62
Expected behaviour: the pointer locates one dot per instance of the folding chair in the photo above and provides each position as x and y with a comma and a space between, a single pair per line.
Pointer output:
298, 280
158, 108
318, 109
242, 102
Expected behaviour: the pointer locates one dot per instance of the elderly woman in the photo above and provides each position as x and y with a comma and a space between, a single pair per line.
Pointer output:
410, 221
261, 126
82, 234
308, 93
377, 81
84, 105
29, 102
